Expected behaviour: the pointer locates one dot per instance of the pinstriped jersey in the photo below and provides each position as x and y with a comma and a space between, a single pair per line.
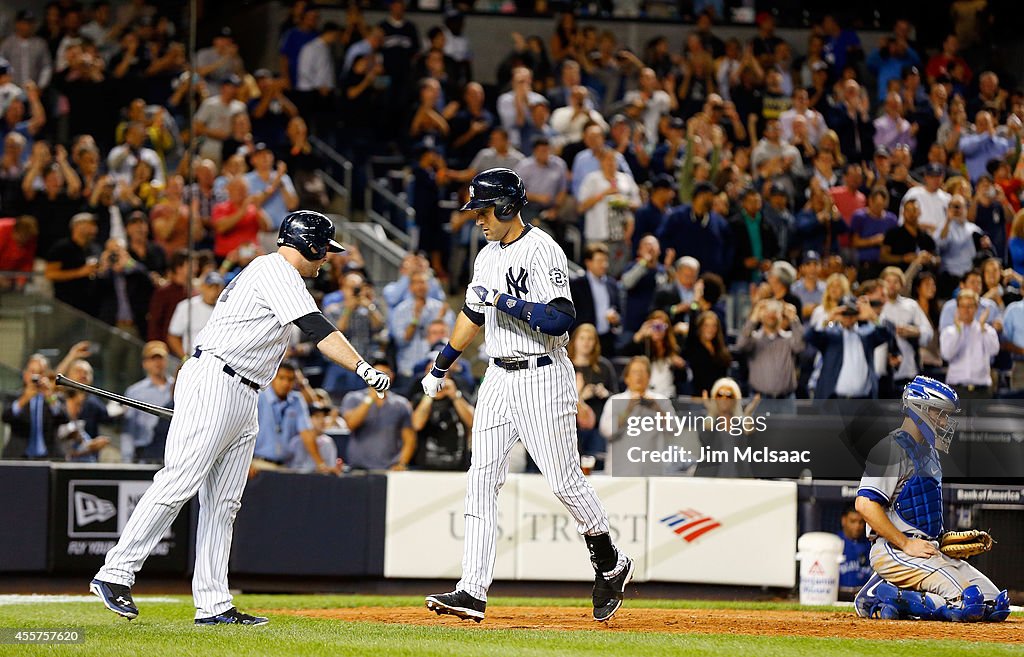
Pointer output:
251, 323
532, 268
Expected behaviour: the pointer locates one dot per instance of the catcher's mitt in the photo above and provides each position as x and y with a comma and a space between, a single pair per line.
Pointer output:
965, 544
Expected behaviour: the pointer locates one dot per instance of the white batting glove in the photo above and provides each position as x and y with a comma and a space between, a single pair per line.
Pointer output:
481, 295
432, 385
377, 380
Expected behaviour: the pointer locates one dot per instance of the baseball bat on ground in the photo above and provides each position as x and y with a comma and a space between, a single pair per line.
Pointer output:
124, 401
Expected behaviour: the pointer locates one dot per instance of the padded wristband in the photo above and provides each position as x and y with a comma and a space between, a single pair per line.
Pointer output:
446, 358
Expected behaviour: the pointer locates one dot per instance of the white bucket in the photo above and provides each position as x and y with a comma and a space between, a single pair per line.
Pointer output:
819, 554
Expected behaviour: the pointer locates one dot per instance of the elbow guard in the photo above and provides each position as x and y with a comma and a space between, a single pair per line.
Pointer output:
316, 326
552, 318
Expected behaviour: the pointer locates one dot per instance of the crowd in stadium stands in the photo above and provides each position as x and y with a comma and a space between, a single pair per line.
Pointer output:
781, 220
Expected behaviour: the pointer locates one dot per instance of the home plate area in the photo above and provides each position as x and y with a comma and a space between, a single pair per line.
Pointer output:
824, 624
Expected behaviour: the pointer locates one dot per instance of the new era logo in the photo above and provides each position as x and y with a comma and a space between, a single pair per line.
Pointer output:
90, 509
689, 524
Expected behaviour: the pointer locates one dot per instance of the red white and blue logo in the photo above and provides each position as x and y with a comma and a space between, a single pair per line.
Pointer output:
689, 524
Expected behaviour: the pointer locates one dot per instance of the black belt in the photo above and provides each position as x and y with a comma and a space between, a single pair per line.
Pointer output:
231, 372
513, 365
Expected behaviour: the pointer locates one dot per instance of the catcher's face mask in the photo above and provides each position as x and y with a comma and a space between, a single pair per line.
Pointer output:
935, 421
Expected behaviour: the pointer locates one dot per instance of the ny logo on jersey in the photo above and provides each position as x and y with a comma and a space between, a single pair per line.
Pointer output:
516, 285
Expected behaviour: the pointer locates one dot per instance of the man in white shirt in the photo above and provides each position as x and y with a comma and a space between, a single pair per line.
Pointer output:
931, 199
499, 154
607, 200
656, 103
514, 105
122, 159
213, 118
191, 315
316, 64
569, 121
911, 324
816, 126
969, 346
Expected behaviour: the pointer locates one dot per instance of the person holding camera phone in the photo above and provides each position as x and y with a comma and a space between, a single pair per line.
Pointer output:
638, 400
35, 415
354, 312
657, 342
847, 344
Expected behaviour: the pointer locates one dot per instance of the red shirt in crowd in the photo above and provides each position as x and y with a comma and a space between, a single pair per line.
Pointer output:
847, 203
246, 231
14, 256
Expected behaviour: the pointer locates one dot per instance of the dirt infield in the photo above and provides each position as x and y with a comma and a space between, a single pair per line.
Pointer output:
686, 621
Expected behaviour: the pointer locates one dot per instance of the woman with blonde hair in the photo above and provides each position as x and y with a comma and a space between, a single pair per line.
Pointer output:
837, 286
724, 405
829, 143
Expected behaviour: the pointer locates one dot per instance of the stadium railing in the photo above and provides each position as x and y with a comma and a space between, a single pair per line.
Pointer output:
31, 322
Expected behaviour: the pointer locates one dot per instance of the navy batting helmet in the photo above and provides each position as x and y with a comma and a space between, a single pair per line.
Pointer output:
501, 188
310, 233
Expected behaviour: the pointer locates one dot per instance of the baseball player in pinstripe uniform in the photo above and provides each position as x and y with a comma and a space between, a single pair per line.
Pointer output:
900, 497
213, 432
520, 290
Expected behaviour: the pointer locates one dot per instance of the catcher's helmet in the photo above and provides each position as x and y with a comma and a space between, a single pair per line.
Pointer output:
924, 395
502, 188
310, 233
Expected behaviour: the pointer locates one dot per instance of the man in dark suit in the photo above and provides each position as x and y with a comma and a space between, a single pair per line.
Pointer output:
856, 322
697, 230
596, 297
676, 296
648, 219
35, 415
754, 240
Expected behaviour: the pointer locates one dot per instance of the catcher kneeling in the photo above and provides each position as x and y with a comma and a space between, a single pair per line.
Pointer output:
919, 570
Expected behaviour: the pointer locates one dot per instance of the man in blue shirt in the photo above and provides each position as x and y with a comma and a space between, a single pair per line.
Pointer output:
855, 569
272, 187
984, 145
1013, 341
589, 160
293, 41
283, 414
137, 427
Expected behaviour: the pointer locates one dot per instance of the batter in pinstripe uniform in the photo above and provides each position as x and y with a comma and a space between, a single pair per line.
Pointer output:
520, 291
213, 432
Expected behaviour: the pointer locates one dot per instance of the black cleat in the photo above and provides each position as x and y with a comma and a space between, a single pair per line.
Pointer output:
457, 603
608, 592
116, 597
233, 617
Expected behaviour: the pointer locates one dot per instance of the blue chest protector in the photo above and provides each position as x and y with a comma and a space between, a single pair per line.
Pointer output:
919, 503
